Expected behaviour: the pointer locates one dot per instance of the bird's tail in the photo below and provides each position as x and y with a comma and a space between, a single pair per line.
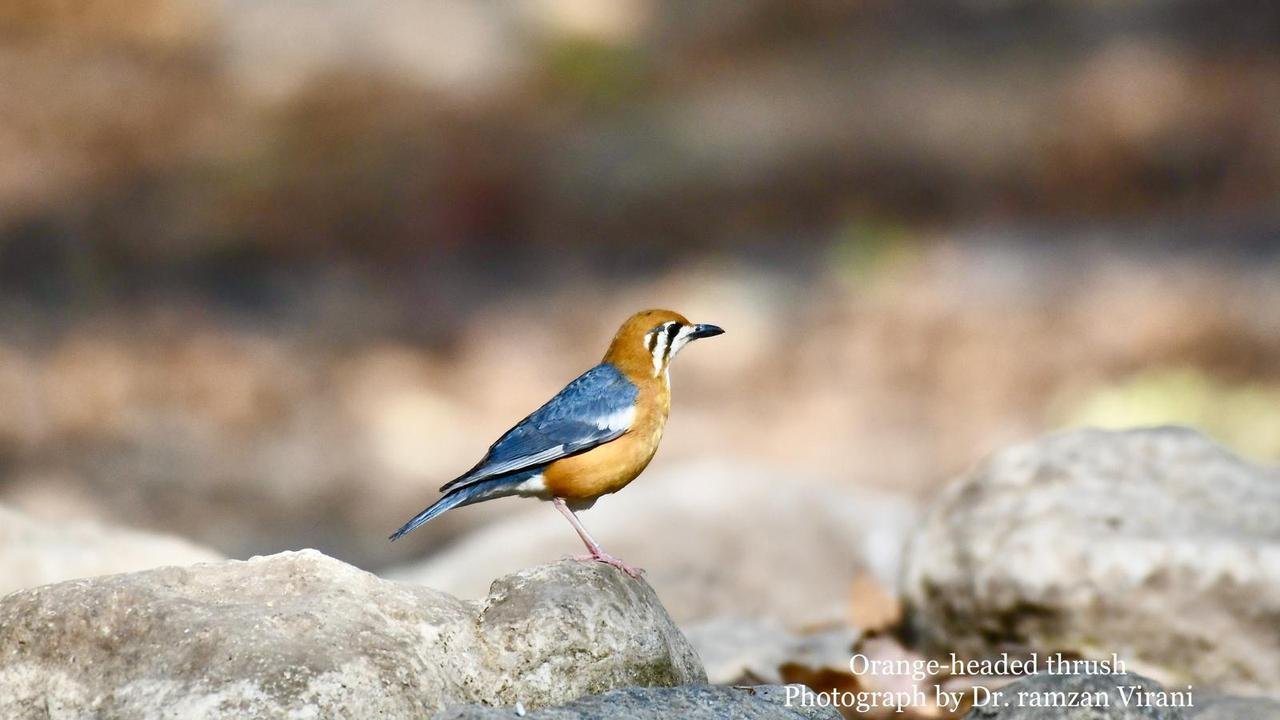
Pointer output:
462, 496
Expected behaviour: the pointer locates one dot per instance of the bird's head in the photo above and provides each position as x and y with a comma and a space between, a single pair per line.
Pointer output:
648, 340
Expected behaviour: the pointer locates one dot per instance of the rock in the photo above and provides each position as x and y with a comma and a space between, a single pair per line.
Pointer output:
302, 635
1155, 544
694, 702
35, 552
1080, 697
1234, 708
743, 650
712, 539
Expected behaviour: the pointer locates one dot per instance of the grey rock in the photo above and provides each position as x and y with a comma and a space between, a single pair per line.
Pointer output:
693, 702
38, 552
1076, 697
1226, 707
1155, 544
743, 650
725, 532
303, 635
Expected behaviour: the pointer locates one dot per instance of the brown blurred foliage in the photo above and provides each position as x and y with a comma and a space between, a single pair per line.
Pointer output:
270, 272
169, 136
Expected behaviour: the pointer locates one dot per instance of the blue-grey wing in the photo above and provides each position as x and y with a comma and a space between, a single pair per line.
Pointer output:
598, 406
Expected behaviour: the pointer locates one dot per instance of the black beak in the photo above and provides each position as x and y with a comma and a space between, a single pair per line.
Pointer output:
702, 330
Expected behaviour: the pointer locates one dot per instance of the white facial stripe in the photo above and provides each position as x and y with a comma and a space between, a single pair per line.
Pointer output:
664, 341
656, 341
682, 339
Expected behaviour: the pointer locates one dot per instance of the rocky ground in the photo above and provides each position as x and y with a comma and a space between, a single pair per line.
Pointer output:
1132, 697
1159, 543
301, 633
1156, 545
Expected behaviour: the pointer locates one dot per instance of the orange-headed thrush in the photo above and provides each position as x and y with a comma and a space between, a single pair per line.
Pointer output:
591, 439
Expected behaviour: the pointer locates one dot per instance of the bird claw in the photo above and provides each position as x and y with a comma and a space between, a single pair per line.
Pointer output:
608, 559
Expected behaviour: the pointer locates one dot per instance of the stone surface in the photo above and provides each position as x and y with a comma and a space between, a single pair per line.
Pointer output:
744, 650
1156, 544
303, 635
38, 552
695, 702
1234, 708
711, 539
1075, 697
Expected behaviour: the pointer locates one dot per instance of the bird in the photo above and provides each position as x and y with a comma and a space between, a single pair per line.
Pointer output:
591, 439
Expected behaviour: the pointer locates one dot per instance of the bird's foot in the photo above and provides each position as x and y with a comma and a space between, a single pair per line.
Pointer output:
608, 559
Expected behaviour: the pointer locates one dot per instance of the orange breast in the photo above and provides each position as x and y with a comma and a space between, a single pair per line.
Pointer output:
609, 467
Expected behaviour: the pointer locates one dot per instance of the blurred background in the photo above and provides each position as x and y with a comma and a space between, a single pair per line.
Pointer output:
272, 272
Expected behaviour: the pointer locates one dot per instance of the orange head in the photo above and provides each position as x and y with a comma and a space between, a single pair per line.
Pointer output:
646, 342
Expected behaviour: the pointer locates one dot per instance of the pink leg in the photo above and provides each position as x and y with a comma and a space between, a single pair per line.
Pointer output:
597, 553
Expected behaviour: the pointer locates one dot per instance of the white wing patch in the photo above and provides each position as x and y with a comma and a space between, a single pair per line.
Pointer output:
619, 420
535, 486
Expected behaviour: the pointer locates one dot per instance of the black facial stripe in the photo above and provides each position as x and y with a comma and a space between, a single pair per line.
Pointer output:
653, 341
672, 329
